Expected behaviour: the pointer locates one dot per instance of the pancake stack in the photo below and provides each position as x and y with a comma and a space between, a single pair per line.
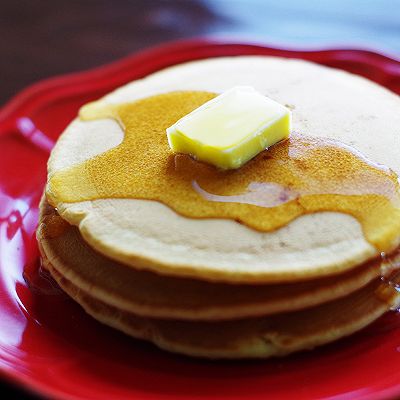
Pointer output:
230, 279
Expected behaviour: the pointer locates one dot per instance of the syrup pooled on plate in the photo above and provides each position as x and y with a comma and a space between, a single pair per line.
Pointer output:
301, 175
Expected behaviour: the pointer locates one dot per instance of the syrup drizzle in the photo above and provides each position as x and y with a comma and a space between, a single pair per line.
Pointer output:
299, 176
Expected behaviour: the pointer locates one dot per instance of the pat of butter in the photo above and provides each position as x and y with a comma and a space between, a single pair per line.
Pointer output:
231, 129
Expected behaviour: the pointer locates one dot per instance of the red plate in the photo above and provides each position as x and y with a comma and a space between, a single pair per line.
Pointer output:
49, 345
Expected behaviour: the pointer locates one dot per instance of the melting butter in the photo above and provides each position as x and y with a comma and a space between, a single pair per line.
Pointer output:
231, 129
299, 176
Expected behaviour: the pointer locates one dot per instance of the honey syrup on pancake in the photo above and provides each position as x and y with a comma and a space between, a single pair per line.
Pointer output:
52, 225
299, 176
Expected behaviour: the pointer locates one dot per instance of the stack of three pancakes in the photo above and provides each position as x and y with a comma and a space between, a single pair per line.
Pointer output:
218, 287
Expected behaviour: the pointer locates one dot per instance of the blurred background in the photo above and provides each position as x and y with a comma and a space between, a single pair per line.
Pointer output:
43, 38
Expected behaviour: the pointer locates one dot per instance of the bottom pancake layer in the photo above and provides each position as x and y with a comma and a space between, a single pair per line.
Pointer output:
261, 337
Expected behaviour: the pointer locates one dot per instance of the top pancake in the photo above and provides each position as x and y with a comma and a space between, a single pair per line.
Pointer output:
149, 235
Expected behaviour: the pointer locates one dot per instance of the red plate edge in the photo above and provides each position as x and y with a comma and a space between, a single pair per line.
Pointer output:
35, 96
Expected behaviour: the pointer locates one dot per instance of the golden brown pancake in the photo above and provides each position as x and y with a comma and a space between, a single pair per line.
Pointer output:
153, 295
282, 255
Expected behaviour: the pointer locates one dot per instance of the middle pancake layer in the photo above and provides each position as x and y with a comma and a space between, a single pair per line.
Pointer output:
149, 294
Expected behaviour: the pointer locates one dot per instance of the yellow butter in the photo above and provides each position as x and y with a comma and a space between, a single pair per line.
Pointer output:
231, 129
